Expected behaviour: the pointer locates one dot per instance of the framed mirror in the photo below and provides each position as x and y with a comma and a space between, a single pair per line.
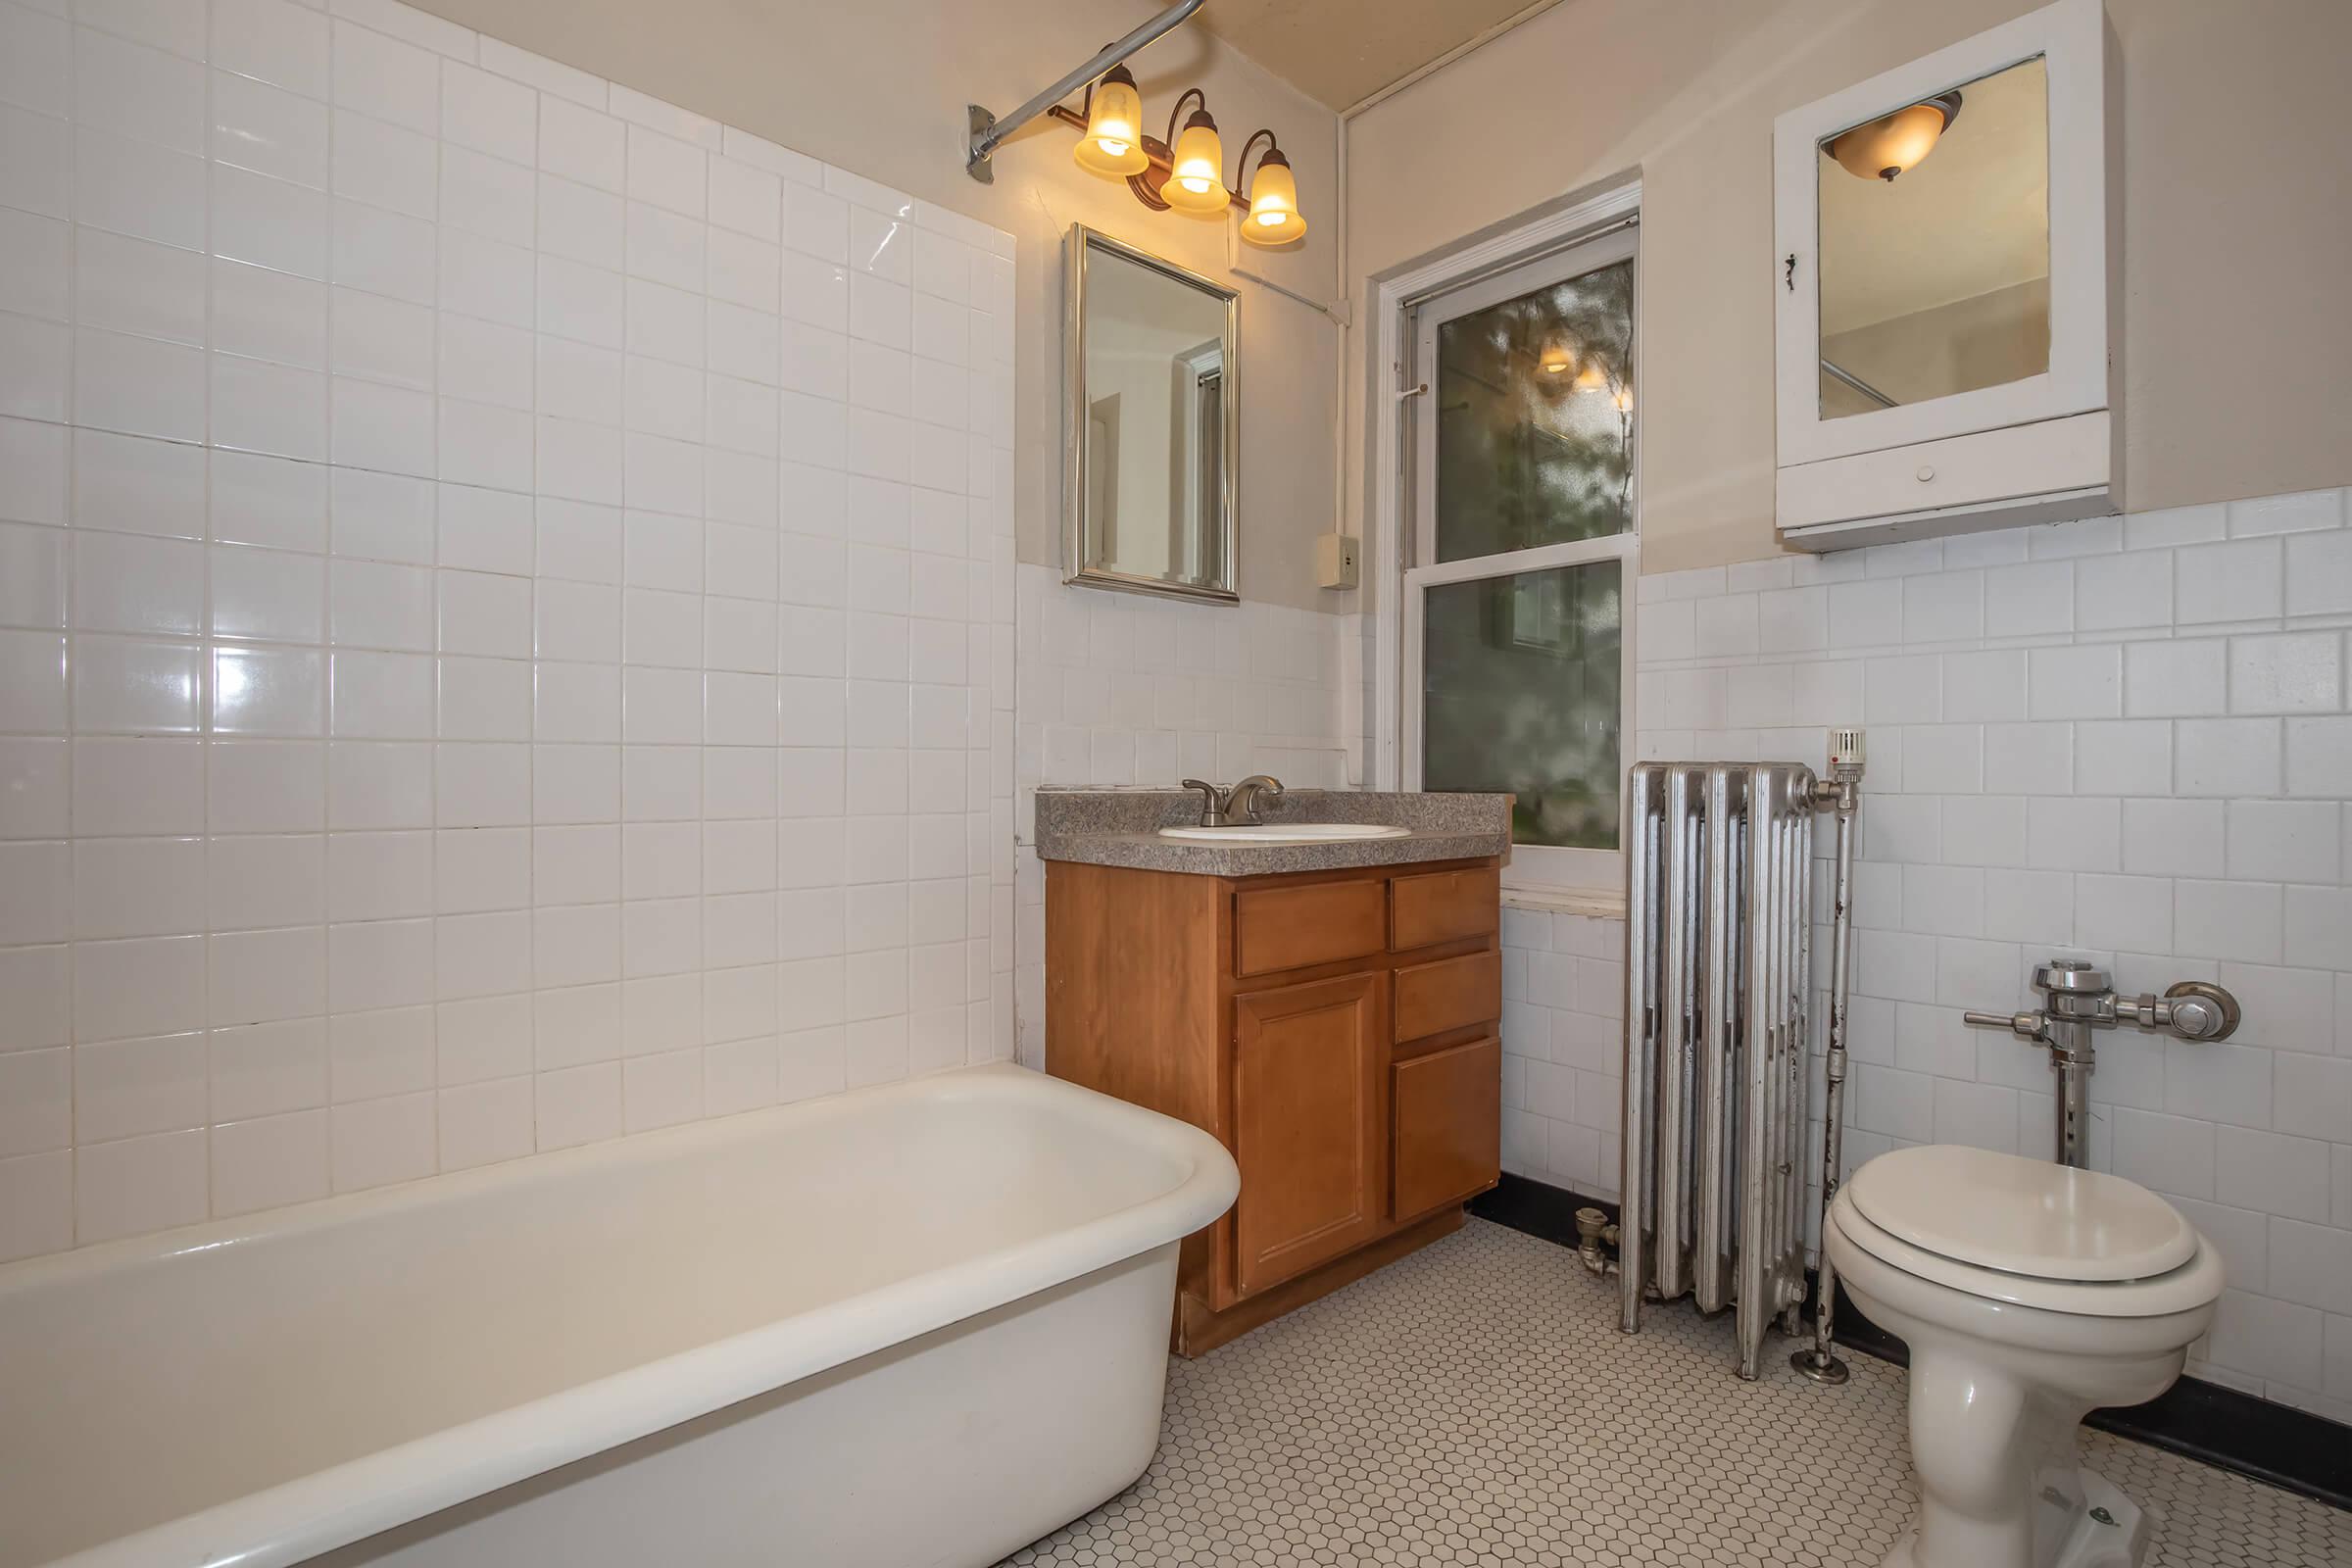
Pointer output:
1934, 272
1150, 424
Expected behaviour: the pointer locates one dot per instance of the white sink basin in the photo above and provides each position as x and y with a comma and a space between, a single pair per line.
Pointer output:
1286, 833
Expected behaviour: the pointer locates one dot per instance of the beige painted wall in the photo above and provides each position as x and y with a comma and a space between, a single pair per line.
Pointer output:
879, 88
2237, 321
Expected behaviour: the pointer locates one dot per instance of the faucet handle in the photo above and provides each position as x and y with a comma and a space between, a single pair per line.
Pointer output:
1212, 801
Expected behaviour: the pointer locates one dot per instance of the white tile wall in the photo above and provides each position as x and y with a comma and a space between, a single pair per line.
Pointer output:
2125, 738
506, 631
1119, 689
1563, 1047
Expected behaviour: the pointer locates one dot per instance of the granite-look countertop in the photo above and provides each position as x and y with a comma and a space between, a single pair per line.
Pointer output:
1121, 827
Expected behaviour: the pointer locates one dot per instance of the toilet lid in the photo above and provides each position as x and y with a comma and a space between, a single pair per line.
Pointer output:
2022, 1216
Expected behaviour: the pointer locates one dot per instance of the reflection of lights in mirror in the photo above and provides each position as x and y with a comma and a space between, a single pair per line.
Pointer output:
1893, 143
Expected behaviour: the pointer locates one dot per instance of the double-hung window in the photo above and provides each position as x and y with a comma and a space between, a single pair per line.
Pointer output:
1523, 552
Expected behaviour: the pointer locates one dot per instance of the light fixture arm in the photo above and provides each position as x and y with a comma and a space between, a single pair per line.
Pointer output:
986, 132
1177, 112
1241, 167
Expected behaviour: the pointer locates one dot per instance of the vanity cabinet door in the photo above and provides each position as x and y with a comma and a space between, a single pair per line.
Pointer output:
1448, 1126
1309, 1128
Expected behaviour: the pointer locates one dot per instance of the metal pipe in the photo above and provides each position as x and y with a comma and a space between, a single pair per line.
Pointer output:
1593, 1232
1634, 1203
1820, 1362
988, 132
2071, 1057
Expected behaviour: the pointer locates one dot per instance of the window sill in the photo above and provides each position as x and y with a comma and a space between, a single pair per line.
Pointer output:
1601, 903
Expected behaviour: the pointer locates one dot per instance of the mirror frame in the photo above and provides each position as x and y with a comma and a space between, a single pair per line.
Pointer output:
1076, 529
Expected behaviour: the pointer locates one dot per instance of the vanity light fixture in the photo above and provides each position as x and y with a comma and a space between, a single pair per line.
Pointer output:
1185, 172
1883, 148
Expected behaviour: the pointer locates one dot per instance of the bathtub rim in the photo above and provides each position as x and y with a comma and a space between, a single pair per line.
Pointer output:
300, 1518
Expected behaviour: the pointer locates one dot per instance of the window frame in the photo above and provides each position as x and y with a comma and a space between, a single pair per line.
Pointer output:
1533, 868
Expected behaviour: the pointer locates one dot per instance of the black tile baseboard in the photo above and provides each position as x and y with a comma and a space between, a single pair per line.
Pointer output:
2278, 1444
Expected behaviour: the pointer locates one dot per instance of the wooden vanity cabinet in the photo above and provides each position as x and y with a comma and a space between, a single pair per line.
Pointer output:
1337, 1031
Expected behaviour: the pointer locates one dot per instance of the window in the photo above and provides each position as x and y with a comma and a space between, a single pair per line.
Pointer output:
1523, 551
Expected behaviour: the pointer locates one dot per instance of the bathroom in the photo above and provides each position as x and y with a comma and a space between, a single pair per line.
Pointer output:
581, 694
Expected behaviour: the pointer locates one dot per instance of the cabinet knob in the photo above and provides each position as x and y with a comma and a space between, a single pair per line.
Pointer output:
1925, 472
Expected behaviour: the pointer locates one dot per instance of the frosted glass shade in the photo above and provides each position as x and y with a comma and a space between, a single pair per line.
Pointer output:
1196, 182
1273, 204
1114, 143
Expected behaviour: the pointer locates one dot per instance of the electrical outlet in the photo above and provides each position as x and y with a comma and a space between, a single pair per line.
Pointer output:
1337, 561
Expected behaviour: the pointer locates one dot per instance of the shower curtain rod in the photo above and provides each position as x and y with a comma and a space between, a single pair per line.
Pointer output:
986, 132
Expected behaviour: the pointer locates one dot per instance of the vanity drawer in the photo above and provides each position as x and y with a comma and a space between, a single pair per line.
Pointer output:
1450, 994
1447, 1107
1322, 922
1445, 907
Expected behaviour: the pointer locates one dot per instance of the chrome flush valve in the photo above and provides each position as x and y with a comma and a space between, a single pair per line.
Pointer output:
2081, 995
2082, 998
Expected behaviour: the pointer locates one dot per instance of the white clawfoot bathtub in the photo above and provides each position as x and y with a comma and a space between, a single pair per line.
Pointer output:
916, 1325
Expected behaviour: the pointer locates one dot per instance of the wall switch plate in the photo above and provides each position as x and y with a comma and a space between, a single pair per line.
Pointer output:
1338, 561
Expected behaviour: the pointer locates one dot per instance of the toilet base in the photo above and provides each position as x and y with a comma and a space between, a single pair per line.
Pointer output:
2120, 1539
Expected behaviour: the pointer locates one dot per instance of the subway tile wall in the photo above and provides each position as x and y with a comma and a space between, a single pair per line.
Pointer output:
1563, 1046
506, 614
2127, 738
1120, 689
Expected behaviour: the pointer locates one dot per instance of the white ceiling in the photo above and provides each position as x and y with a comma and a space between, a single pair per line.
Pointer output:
1340, 52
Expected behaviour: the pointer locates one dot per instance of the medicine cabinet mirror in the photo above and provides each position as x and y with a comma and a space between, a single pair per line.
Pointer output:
1149, 422
1944, 273
1935, 278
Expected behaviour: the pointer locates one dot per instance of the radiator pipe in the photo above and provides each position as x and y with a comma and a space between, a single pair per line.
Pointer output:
1820, 1362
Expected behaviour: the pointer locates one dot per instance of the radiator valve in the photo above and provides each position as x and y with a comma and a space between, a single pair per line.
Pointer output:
1847, 754
1593, 1232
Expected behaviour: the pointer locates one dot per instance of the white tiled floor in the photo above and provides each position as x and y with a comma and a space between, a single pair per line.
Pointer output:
1475, 1404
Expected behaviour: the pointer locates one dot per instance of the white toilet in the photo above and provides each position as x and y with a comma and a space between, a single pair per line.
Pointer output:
2030, 1294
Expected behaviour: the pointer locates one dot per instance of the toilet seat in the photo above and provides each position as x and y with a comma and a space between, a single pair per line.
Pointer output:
2038, 1237
2022, 1217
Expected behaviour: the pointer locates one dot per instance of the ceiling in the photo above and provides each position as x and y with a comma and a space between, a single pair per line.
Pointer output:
1340, 52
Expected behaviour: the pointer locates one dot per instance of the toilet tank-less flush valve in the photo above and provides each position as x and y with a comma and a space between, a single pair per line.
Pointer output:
2082, 999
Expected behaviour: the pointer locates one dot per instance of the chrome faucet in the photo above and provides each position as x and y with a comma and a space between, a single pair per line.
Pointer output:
1238, 806
2082, 999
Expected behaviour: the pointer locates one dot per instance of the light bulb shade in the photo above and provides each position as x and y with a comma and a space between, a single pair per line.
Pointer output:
1196, 179
1273, 203
1888, 146
1114, 143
